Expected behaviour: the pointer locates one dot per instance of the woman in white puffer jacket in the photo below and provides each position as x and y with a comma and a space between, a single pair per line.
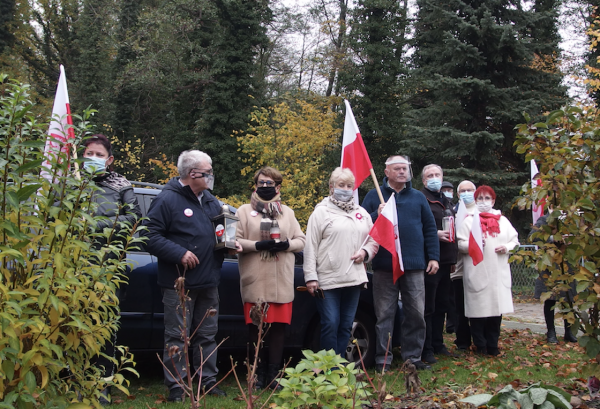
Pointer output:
337, 246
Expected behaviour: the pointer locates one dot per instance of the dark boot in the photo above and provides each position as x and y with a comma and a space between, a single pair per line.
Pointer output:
569, 337
273, 377
261, 375
551, 336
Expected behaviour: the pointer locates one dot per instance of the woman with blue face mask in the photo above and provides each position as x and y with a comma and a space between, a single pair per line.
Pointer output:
116, 203
337, 246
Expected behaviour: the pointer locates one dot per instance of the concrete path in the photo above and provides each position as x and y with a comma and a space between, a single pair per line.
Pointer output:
530, 315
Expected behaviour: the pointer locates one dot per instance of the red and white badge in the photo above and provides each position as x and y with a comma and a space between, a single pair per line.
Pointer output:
219, 230
188, 212
359, 216
253, 213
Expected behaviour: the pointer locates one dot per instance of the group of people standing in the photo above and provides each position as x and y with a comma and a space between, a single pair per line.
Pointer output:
336, 247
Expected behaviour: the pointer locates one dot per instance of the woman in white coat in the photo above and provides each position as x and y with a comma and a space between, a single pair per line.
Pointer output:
337, 246
487, 285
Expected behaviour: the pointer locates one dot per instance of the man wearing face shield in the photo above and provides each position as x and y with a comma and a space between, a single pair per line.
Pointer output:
437, 293
420, 255
181, 235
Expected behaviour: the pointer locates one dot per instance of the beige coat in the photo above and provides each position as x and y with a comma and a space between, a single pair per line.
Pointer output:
333, 236
270, 281
488, 284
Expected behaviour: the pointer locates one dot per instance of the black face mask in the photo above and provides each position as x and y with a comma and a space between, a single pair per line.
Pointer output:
266, 193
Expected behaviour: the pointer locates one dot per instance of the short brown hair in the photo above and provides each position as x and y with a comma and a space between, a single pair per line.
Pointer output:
269, 172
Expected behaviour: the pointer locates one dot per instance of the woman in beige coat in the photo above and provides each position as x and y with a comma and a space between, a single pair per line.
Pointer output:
337, 246
269, 235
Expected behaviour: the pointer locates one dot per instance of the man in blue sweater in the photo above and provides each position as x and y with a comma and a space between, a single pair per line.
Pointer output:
420, 255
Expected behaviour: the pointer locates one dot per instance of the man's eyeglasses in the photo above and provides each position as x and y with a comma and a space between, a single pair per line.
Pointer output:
268, 183
203, 172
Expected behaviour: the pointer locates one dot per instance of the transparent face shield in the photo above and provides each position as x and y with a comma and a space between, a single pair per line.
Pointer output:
401, 160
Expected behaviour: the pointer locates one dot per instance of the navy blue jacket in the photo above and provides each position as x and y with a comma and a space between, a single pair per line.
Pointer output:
171, 233
438, 203
418, 235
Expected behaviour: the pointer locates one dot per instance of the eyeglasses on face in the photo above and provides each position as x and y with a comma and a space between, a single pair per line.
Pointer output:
203, 172
268, 183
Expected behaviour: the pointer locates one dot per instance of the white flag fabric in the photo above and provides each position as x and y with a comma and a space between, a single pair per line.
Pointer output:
61, 132
537, 209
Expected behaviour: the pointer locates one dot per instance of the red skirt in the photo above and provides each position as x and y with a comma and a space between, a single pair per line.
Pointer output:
276, 313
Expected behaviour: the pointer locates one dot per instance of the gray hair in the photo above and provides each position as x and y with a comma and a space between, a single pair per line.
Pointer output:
429, 167
464, 182
189, 160
344, 174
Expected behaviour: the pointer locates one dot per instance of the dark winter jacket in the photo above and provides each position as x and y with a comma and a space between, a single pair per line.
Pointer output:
116, 192
438, 204
418, 235
177, 222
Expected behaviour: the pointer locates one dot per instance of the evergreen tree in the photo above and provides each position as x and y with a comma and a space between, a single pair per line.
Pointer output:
232, 92
482, 64
7, 13
375, 78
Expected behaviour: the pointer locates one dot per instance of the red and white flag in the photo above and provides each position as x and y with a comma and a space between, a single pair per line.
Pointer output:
354, 153
61, 131
385, 232
537, 209
476, 240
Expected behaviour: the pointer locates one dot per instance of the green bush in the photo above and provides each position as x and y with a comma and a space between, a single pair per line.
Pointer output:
321, 380
58, 305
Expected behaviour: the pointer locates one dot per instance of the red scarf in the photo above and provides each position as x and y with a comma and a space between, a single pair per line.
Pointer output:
489, 224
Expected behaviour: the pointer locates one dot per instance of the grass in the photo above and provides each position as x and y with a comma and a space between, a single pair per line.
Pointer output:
526, 358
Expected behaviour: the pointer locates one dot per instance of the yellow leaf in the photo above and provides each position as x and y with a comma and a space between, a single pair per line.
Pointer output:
492, 375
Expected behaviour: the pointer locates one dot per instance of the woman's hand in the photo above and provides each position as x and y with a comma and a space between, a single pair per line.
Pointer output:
359, 256
264, 245
311, 286
280, 246
501, 250
238, 249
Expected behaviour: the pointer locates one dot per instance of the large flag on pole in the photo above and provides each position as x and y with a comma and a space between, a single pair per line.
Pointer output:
537, 209
385, 232
61, 133
354, 153
476, 240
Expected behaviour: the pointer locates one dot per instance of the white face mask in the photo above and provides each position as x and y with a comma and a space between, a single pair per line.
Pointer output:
484, 206
210, 181
95, 165
449, 195
342, 195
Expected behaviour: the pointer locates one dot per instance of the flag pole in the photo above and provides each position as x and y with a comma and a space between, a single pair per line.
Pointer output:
377, 185
361, 246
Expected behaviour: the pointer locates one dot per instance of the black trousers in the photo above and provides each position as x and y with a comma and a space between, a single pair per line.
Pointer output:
437, 304
485, 332
463, 329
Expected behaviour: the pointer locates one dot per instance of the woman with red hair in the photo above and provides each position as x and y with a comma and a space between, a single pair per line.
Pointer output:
488, 292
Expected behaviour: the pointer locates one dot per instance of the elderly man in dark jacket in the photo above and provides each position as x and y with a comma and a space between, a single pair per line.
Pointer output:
181, 235
420, 255
437, 287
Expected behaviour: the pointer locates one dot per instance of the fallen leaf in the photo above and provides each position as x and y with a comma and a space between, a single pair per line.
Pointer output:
492, 375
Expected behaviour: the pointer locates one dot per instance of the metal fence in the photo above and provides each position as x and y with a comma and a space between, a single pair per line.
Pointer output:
523, 278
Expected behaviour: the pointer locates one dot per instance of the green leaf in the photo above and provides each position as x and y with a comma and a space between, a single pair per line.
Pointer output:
26, 191
12, 199
30, 381
558, 400
478, 400
538, 395
29, 165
